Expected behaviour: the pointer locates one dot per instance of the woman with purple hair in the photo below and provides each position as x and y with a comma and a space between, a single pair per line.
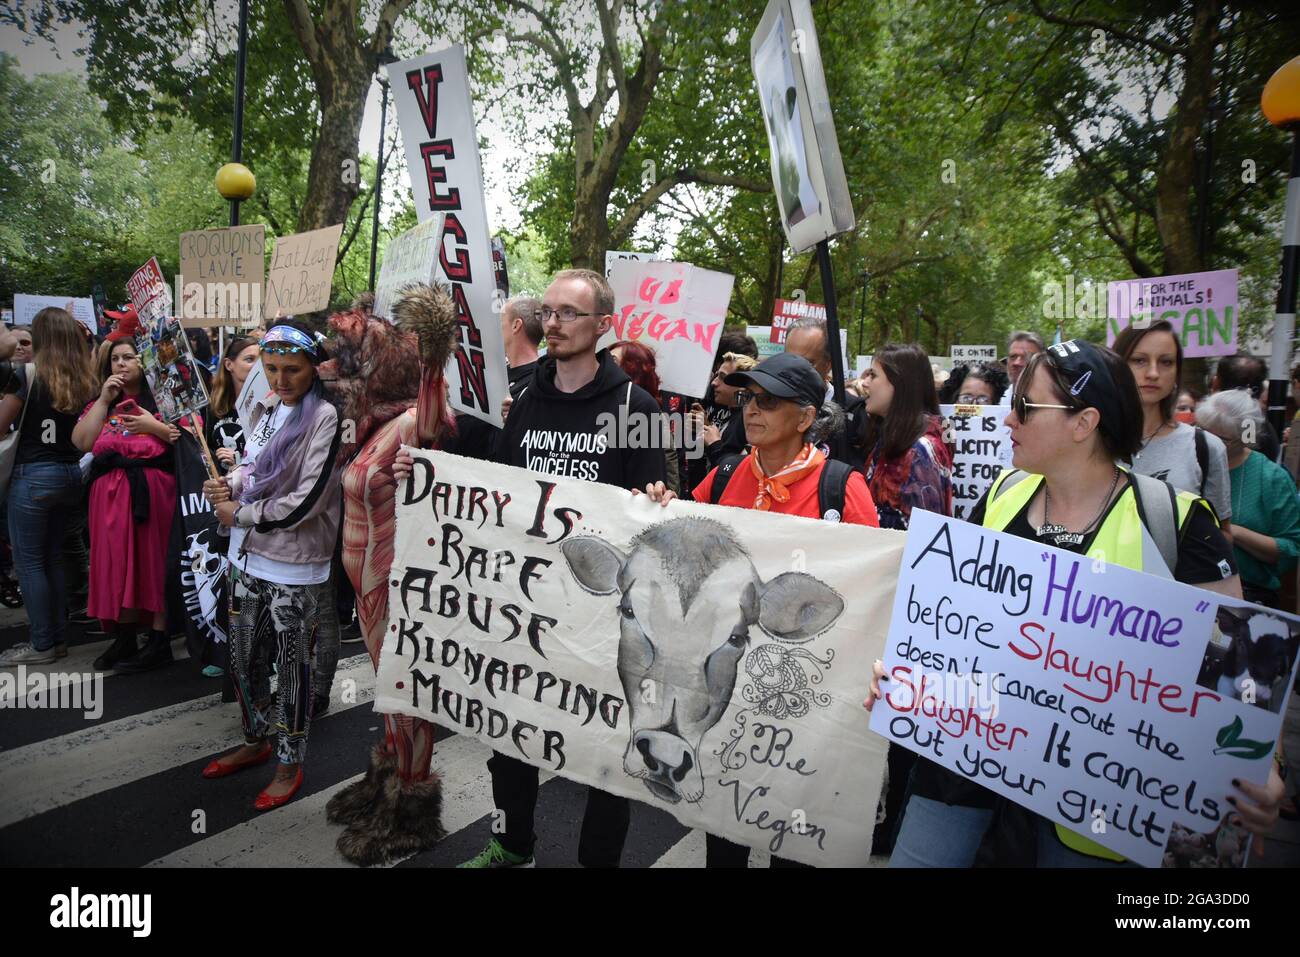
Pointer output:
282, 505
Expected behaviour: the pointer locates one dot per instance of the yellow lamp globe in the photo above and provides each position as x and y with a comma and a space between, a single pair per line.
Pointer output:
235, 181
1280, 100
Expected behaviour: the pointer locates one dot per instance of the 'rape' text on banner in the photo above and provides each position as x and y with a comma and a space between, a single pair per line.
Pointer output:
707, 661
1117, 704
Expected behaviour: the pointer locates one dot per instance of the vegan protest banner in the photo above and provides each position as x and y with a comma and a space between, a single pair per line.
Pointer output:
221, 276
26, 307
762, 336
981, 449
704, 660
974, 354
1202, 306
198, 550
676, 309
149, 293
411, 257
1117, 704
171, 370
436, 116
786, 311
302, 272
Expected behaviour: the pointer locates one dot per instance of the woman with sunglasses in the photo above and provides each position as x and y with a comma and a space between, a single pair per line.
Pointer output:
780, 400
1075, 414
282, 506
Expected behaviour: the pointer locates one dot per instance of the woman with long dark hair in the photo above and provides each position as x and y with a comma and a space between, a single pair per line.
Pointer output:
222, 429
638, 361
282, 506
908, 465
132, 499
46, 481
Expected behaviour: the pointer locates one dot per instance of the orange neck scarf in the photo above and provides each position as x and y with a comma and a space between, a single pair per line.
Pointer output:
776, 487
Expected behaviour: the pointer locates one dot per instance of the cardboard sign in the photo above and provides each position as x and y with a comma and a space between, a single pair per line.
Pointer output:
531, 653
26, 307
676, 309
969, 354
221, 276
302, 272
1202, 306
787, 311
435, 111
1117, 704
982, 449
149, 293
619, 255
411, 257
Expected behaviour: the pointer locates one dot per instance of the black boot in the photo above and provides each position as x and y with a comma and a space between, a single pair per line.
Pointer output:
157, 651
122, 648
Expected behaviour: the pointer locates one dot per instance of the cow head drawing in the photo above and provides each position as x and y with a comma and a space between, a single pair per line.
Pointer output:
688, 596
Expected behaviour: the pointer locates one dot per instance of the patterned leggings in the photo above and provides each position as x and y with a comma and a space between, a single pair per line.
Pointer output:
273, 624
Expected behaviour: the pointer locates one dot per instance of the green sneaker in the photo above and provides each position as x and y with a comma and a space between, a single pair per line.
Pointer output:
494, 855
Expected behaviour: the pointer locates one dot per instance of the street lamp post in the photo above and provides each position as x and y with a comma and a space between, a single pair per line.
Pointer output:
384, 59
1280, 103
241, 62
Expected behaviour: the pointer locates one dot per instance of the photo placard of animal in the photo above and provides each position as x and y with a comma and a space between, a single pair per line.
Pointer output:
709, 661
1116, 704
981, 445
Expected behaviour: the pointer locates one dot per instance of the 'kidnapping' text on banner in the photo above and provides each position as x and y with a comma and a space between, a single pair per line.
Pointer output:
708, 661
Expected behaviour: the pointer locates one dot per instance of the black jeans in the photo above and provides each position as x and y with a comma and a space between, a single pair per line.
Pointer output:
514, 791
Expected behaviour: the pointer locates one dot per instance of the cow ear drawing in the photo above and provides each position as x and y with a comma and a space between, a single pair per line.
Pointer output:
796, 607
594, 563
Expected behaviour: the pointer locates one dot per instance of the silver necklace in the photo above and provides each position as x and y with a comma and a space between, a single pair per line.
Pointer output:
1062, 535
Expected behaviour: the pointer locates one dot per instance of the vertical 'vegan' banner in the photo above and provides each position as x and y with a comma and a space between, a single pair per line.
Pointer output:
706, 660
435, 112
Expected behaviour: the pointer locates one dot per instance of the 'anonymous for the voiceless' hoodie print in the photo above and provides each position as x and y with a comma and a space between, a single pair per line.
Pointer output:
583, 435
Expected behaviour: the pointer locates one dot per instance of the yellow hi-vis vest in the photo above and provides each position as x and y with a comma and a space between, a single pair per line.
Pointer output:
1123, 539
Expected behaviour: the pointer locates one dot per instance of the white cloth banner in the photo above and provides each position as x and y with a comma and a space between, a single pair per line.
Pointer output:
1105, 699
676, 309
981, 450
435, 112
81, 308
409, 258
709, 661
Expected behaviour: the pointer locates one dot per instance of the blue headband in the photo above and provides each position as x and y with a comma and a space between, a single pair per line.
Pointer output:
294, 340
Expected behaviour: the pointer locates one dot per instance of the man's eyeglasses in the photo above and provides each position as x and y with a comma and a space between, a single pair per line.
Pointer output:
766, 402
564, 314
1021, 406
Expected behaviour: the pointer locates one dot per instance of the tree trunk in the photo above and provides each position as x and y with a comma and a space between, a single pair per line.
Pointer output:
333, 180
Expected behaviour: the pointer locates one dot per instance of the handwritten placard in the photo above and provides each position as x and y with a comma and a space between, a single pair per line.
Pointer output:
1114, 703
1202, 306
981, 450
222, 272
411, 257
302, 272
968, 354
26, 307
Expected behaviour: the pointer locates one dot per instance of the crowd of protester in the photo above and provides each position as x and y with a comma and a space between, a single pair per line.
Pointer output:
1105, 438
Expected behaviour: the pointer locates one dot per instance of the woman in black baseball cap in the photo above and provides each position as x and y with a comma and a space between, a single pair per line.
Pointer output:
1075, 417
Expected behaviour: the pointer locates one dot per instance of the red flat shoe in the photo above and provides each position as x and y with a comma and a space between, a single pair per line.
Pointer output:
266, 802
218, 770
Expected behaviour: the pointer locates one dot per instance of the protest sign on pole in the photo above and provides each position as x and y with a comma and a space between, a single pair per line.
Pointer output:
969, 354
762, 336
676, 309
435, 112
302, 272
221, 276
499, 271
149, 293
673, 656
981, 450
81, 308
787, 311
1115, 704
1202, 306
619, 255
411, 257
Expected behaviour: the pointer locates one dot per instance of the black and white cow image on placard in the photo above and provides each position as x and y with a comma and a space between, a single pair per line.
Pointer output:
689, 599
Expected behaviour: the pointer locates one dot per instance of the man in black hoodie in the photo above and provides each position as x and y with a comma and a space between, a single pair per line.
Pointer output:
568, 422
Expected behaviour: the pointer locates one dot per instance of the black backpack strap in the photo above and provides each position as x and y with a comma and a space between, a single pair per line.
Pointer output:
722, 475
832, 489
1202, 457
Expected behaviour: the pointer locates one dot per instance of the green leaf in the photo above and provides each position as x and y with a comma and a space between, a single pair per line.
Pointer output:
1229, 733
1248, 749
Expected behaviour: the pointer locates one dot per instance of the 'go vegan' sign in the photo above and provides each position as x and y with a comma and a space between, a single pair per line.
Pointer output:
1201, 305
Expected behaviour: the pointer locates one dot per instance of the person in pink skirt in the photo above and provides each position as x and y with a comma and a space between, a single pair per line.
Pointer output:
132, 501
